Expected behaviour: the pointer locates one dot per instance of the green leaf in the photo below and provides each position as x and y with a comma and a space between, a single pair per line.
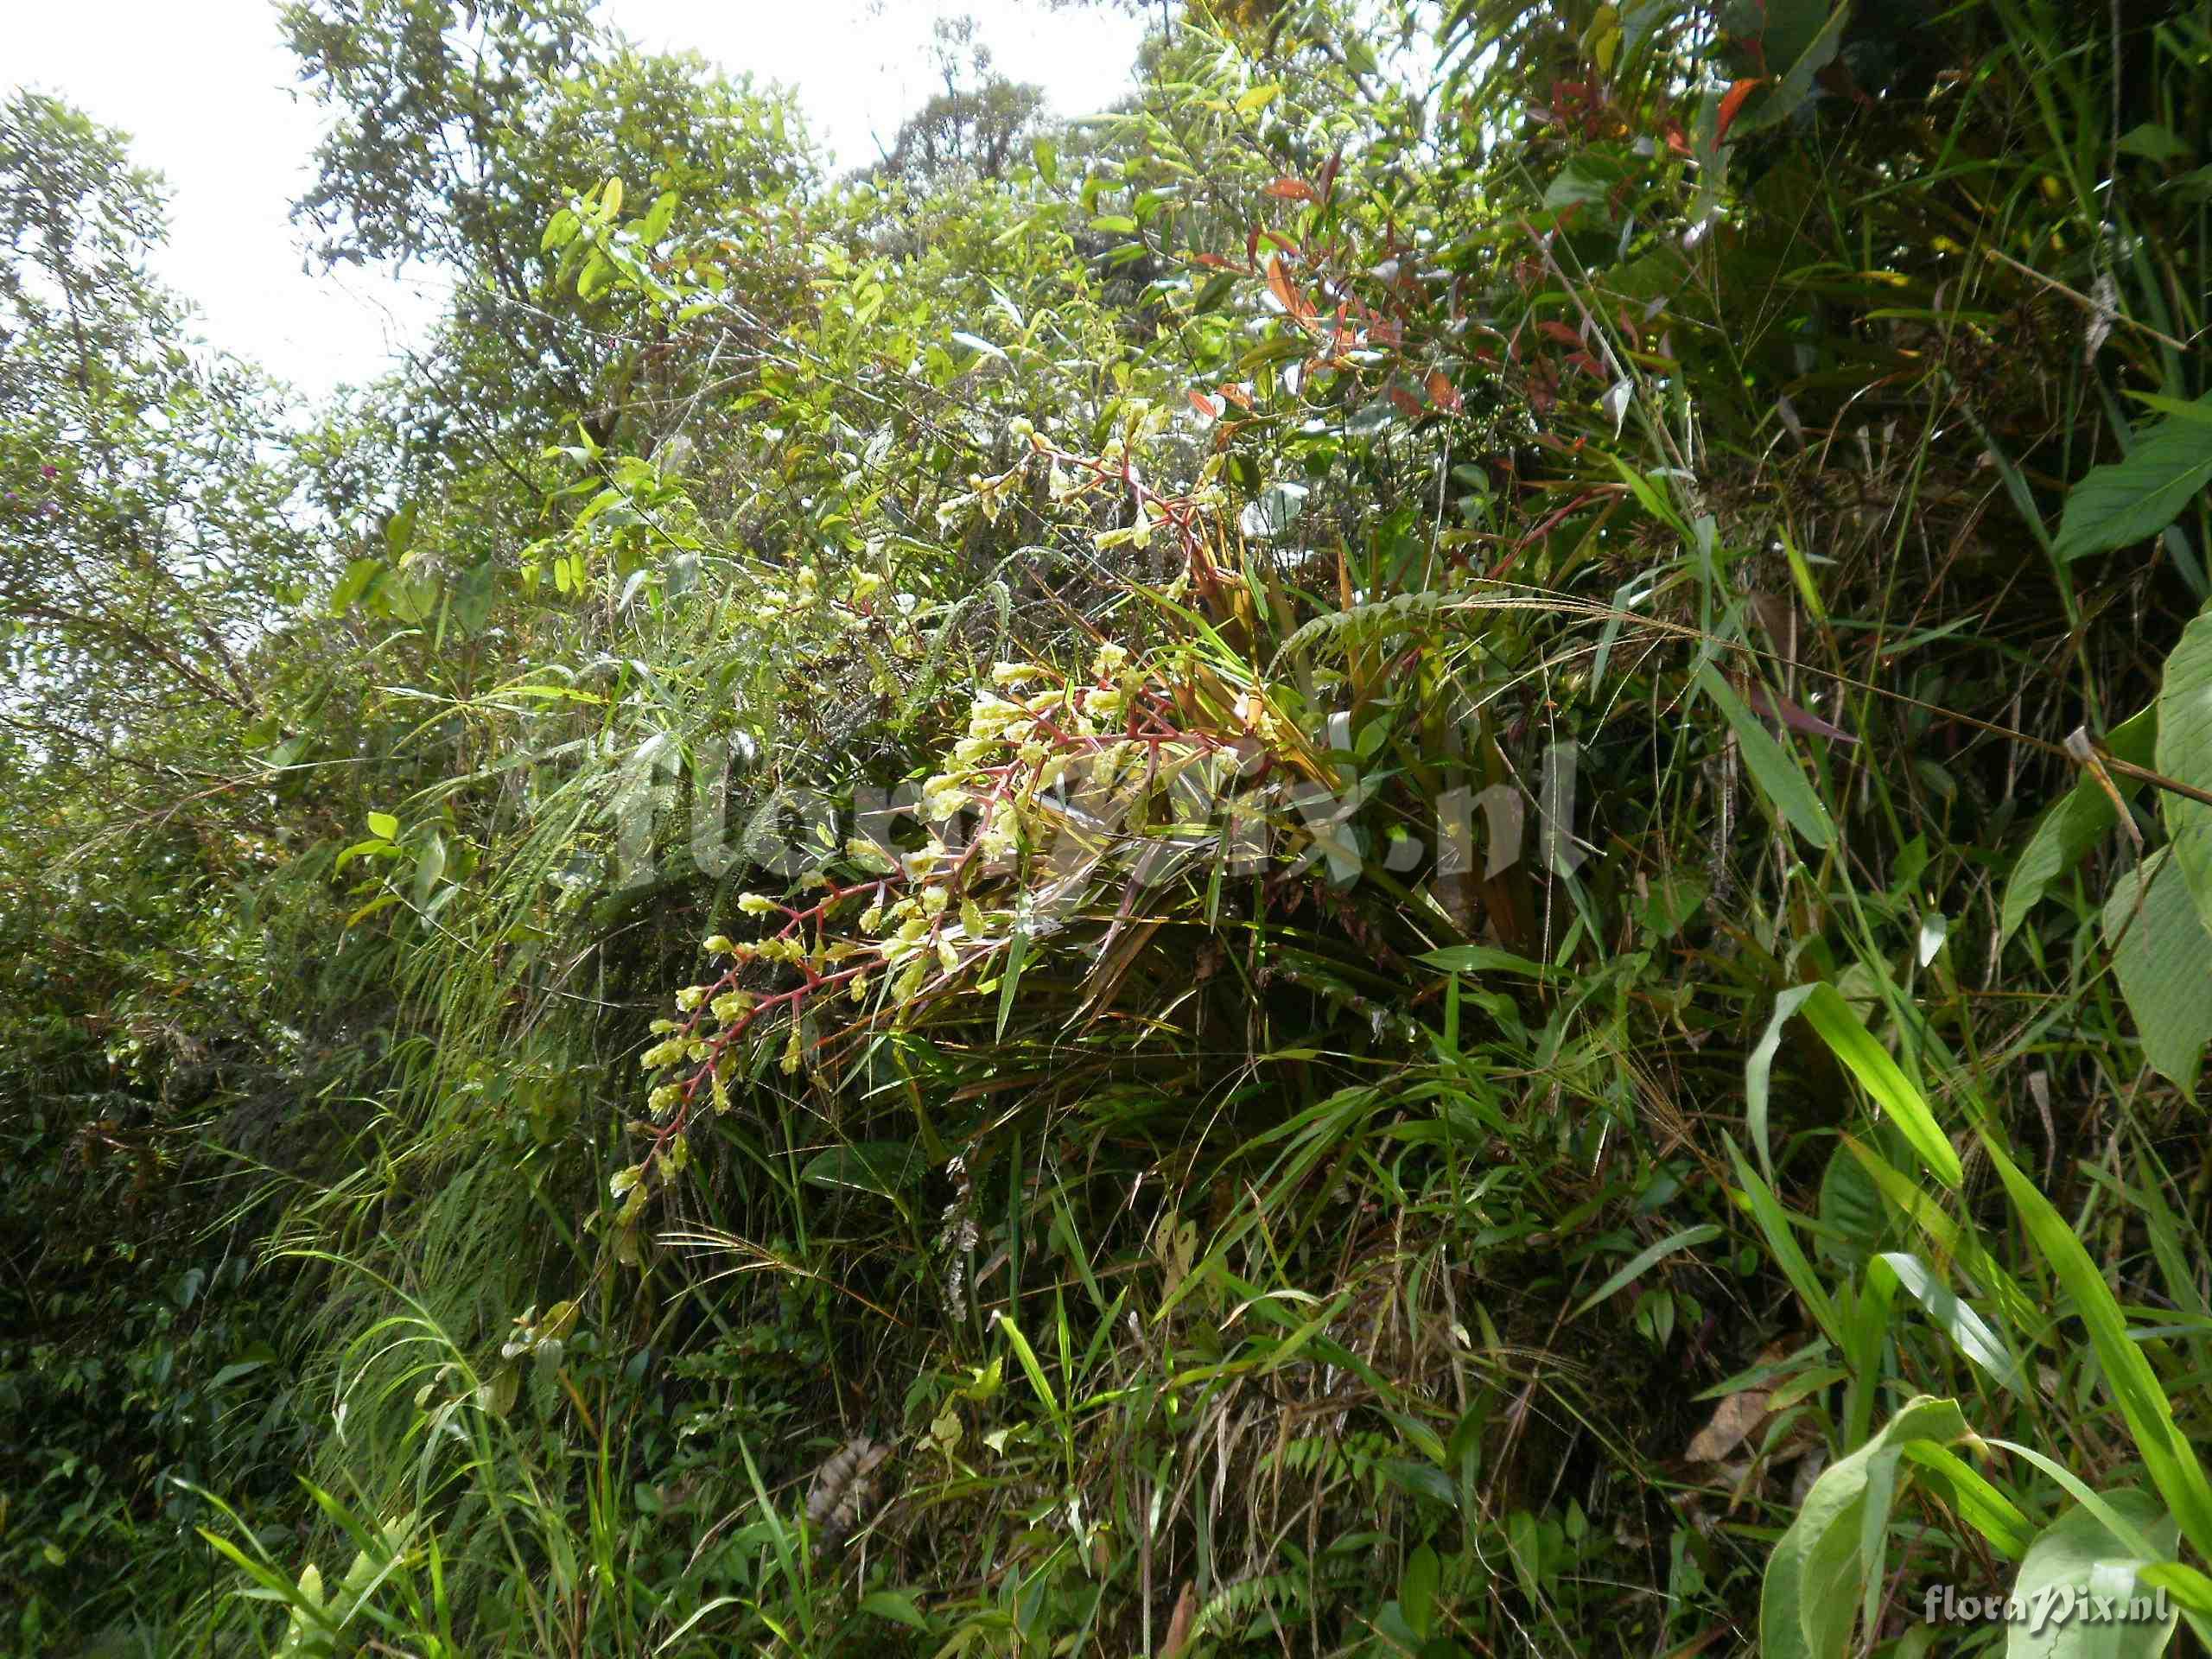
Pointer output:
2083, 817
360, 574
1817, 1578
1971, 1333
1804, 35
597, 275
1259, 97
1417, 1590
1992, 1513
1028, 1355
560, 229
1047, 158
2074, 1557
1666, 1247
429, 866
895, 1606
2127, 501
382, 901
1771, 767
2158, 1442
2154, 142
883, 1168
399, 530
2162, 953
1758, 1071
1480, 959
2184, 753
1017, 955
1856, 1220
384, 826
1774, 1222
1842, 1030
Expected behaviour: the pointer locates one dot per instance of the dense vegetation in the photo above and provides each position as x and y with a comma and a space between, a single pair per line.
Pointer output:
1412, 854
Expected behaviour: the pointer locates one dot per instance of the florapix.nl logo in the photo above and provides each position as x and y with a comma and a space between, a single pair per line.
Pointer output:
1227, 811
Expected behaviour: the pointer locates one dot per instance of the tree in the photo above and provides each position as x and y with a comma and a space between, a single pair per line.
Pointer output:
974, 128
456, 134
144, 484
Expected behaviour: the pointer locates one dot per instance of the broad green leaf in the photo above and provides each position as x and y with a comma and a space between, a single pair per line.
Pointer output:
429, 867
597, 274
2083, 817
560, 229
384, 826
2184, 753
1817, 1578
399, 530
883, 1168
1856, 1220
658, 217
2074, 1557
1771, 767
360, 575
1417, 1590
1802, 38
2162, 952
895, 1606
2124, 502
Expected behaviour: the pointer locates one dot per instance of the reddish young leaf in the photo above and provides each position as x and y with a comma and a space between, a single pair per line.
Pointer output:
1292, 190
1407, 404
1237, 396
1215, 262
1443, 393
1295, 304
1731, 102
1204, 406
1798, 718
1554, 328
1329, 173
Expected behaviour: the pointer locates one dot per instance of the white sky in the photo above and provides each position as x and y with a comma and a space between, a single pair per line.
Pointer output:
206, 91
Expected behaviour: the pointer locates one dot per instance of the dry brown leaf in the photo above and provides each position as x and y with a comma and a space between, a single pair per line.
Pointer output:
1730, 1425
